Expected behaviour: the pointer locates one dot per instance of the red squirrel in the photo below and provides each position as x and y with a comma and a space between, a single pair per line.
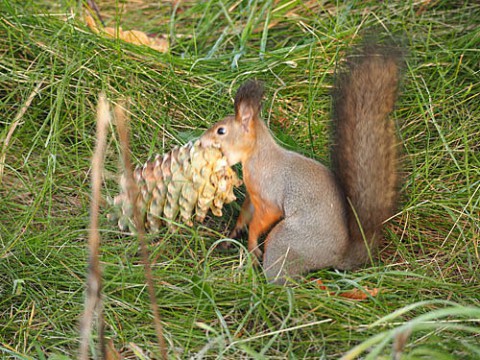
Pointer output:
312, 214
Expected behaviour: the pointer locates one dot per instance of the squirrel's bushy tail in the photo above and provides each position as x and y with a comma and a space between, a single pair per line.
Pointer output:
364, 152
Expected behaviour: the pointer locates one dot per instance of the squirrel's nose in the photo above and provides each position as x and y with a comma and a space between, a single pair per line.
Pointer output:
205, 142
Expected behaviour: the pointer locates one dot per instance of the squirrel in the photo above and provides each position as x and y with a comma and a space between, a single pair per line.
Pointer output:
317, 218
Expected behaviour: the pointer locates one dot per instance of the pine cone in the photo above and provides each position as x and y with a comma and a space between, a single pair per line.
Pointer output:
185, 180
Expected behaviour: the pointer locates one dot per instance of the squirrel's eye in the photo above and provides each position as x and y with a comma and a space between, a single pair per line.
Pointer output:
221, 131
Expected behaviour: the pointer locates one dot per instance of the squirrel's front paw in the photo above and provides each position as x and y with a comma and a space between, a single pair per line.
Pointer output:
225, 245
237, 233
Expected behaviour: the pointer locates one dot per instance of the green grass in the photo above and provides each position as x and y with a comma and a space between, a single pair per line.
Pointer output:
213, 304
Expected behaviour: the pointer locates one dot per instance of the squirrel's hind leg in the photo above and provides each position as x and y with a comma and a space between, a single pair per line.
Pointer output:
292, 251
281, 260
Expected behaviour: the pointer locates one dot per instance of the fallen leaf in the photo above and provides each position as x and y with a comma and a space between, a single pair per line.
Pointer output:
357, 294
320, 285
136, 37
90, 22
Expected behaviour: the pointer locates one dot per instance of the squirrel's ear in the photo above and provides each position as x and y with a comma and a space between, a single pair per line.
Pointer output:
248, 102
245, 115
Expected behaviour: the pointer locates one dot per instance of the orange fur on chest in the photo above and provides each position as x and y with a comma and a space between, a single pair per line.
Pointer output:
265, 213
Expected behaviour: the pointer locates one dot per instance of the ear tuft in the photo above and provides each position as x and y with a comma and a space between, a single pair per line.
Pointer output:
249, 95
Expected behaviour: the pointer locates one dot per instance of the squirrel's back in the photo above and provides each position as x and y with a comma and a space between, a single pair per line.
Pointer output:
364, 150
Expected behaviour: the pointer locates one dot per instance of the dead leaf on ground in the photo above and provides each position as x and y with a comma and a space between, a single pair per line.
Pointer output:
136, 37
359, 294
355, 294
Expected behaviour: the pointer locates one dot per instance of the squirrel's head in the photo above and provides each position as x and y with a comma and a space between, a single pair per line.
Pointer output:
235, 135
